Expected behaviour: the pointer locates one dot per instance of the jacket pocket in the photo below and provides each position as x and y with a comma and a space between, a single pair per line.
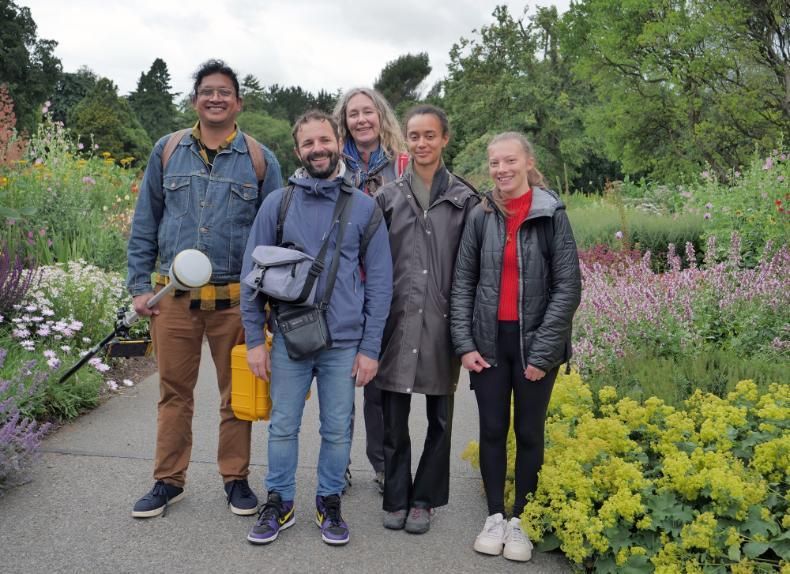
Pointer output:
243, 203
176, 191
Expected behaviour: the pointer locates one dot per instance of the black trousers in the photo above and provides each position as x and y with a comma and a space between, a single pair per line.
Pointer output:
431, 485
494, 388
374, 427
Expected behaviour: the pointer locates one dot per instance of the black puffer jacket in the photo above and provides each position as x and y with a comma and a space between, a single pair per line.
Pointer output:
549, 292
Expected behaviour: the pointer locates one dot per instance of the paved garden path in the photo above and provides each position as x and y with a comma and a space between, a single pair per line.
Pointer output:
74, 516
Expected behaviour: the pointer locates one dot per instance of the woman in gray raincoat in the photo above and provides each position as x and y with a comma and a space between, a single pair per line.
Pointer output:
425, 211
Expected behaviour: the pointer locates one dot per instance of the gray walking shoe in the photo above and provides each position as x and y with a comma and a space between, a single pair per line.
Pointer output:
395, 520
419, 520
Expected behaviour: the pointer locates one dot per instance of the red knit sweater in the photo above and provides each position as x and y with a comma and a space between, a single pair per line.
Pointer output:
508, 293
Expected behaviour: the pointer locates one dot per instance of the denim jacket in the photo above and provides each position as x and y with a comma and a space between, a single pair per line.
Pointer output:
189, 207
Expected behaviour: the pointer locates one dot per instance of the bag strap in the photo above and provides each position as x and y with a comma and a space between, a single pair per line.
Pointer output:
317, 266
403, 161
343, 223
285, 203
172, 143
256, 156
253, 148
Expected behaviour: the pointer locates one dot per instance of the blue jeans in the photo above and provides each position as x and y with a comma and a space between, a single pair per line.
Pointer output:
290, 382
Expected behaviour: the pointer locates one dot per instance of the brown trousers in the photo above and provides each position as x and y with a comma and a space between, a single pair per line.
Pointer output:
177, 334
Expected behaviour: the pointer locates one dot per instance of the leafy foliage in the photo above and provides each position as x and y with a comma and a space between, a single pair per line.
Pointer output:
633, 486
152, 101
400, 79
27, 63
104, 118
678, 84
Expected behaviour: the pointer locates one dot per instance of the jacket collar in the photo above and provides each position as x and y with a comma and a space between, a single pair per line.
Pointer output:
544, 203
316, 186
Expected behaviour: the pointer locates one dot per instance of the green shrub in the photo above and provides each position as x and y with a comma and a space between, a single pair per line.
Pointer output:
674, 378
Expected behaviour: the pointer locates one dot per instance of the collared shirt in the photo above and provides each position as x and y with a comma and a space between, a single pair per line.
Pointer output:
209, 297
207, 154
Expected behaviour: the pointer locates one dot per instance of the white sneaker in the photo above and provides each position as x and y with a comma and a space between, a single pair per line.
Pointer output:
517, 544
492, 538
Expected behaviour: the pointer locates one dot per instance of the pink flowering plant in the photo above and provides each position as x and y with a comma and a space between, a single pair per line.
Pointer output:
629, 309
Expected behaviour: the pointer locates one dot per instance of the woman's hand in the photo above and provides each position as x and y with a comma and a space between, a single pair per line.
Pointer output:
472, 361
532, 373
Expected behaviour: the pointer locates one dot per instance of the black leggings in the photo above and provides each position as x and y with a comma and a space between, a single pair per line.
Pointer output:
493, 389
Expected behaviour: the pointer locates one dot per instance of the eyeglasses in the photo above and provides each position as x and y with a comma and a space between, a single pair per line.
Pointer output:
223, 93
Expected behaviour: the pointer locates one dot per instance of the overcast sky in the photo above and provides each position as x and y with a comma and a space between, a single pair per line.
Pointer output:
315, 44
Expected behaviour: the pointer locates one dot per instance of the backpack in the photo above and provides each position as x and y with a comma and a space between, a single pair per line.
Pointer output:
253, 147
370, 228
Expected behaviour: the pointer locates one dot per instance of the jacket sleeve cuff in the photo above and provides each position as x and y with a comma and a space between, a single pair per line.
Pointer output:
253, 340
140, 289
368, 352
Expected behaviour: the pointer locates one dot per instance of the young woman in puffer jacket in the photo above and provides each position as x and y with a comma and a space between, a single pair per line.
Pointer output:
374, 154
516, 287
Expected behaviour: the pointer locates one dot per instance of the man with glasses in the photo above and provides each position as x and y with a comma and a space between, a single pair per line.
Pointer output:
201, 190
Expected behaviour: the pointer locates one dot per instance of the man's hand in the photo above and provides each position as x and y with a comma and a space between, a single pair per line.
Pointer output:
532, 373
260, 362
473, 361
140, 305
364, 369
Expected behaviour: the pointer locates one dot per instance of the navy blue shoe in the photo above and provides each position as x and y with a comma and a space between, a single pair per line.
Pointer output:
157, 500
334, 530
274, 516
241, 498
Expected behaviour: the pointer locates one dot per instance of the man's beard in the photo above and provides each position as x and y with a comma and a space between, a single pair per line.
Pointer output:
334, 158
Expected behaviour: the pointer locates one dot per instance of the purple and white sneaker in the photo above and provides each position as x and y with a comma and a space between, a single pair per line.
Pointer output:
274, 516
334, 530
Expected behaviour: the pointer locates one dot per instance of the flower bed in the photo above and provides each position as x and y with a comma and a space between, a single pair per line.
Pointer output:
643, 487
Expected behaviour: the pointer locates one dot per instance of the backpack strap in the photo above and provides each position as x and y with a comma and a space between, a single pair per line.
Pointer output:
285, 202
256, 155
253, 148
403, 161
171, 144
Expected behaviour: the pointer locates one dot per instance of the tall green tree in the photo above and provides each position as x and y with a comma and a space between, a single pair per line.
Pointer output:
400, 79
70, 89
274, 133
514, 77
107, 120
680, 84
27, 64
152, 101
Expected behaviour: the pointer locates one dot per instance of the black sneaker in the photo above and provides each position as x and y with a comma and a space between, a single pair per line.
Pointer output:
274, 516
241, 498
347, 477
156, 501
334, 530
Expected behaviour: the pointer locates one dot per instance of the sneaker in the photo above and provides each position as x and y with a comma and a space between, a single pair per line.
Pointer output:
241, 498
492, 538
379, 480
274, 516
395, 520
419, 520
517, 544
334, 530
156, 501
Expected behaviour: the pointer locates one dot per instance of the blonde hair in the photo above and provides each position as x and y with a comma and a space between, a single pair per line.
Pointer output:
390, 136
534, 177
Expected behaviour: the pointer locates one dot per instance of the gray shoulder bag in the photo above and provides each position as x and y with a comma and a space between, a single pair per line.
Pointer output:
303, 327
